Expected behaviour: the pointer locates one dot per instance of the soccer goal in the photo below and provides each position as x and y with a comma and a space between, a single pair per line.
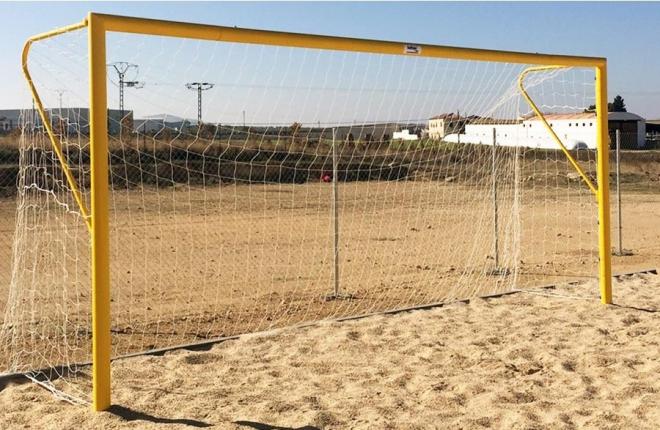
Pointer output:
183, 183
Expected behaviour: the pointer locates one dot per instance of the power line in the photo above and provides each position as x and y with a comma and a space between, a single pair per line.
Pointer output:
199, 87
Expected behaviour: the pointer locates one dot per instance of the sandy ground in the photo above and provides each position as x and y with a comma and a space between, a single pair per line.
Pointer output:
552, 358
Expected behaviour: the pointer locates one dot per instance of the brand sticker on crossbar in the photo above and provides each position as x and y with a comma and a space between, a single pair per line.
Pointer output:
412, 49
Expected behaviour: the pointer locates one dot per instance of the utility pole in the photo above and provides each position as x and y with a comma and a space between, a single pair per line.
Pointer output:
199, 87
60, 93
122, 67
34, 117
62, 125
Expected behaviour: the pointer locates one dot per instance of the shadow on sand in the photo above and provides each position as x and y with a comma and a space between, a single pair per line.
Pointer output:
131, 415
262, 426
635, 308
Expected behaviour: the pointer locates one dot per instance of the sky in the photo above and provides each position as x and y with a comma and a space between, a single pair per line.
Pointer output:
625, 33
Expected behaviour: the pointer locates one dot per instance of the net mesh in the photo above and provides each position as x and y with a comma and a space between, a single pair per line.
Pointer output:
319, 184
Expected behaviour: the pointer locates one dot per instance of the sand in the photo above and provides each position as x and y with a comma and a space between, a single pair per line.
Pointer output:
552, 358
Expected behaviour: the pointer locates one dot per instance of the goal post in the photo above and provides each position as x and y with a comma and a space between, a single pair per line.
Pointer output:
603, 178
100, 25
601, 190
100, 234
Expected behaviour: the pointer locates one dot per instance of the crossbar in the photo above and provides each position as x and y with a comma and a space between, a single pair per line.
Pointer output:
154, 27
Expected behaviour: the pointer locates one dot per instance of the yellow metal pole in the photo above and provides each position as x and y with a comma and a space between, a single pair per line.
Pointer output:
101, 345
156, 27
57, 146
603, 178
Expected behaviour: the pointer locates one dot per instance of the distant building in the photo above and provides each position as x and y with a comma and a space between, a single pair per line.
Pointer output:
10, 119
441, 125
653, 126
156, 124
631, 126
70, 120
5, 125
577, 130
404, 135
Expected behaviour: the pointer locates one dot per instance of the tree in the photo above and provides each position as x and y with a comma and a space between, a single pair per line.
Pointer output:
618, 105
207, 131
295, 128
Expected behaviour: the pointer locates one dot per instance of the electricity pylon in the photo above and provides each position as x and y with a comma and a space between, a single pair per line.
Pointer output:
122, 67
62, 123
199, 87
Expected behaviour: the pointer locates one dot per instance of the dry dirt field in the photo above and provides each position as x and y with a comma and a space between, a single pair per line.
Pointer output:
540, 359
190, 265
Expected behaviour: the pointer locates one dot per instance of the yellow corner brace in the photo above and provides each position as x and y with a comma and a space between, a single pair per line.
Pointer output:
521, 86
57, 146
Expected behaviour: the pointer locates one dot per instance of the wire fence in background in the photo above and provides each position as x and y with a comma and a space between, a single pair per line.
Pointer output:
634, 172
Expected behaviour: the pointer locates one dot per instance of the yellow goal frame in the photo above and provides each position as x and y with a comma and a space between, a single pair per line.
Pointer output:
97, 218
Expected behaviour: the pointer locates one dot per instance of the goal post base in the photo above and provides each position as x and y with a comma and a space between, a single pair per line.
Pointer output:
623, 253
499, 271
339, 296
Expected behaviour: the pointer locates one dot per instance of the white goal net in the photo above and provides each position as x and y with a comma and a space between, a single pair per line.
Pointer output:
318, 184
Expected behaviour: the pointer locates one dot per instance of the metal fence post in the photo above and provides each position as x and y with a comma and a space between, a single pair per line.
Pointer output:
619, 218
336, 293
495, 215
335, 214
618, 188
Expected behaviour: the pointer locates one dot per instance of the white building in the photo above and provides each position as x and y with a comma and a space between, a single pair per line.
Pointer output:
441, 125
576, 131
404, 135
